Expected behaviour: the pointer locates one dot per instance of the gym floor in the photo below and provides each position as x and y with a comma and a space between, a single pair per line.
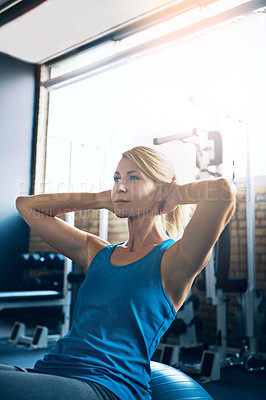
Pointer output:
235, 382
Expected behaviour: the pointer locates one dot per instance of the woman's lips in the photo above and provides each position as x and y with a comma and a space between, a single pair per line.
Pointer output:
121, 201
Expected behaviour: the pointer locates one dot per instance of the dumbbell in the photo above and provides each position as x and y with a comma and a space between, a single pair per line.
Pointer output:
39, 340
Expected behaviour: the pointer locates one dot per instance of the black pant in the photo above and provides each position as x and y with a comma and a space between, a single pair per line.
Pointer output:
19, 384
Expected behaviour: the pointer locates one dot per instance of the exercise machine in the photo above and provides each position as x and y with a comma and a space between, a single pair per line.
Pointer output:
209, 152
209, 159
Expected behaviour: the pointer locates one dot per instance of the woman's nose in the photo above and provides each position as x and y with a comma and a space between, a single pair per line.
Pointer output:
121, 187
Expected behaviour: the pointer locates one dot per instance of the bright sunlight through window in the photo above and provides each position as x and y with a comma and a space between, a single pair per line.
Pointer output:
211, 81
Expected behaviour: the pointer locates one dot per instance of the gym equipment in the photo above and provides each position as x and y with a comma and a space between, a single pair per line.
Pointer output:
184, 326
207, 370
39, 340
168, 383
247, 360
42, 271
183, 331
76, 277
210, 366
209, 157
223, 285
183, 337
252, 364
167, 354
57, 294
240, 357
44, 298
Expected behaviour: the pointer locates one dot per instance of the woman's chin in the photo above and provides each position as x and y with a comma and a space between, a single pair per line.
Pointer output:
132, 214
121, 213
127, 213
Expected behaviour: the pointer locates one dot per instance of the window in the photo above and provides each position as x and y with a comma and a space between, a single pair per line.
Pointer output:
121, 94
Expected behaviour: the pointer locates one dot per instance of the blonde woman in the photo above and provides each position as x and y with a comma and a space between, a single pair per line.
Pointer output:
132, 290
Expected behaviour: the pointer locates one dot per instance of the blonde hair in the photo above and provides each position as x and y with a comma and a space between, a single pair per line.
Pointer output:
159, 168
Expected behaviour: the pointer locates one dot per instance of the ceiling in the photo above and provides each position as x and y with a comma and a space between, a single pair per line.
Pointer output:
46, 29
57, 26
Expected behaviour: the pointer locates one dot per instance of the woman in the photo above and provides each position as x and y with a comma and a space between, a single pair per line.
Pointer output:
132, 290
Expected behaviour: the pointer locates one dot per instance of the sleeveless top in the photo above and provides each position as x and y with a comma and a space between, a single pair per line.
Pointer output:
121, 312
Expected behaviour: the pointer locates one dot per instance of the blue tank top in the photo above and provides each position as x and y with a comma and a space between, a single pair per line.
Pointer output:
120, 315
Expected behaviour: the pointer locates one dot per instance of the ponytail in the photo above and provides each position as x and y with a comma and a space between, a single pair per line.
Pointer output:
176, 220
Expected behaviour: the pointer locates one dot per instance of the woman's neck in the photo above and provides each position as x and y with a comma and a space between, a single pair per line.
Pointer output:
145, 231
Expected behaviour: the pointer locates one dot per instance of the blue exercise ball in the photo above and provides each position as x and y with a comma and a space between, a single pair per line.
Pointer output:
168, 383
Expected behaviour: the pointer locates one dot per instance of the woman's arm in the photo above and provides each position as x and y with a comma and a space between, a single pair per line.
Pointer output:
40, 213
215, 204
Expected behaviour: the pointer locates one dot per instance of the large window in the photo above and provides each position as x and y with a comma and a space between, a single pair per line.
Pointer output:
214, 80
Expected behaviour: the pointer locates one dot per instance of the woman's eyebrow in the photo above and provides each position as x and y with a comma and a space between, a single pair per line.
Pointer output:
128, 172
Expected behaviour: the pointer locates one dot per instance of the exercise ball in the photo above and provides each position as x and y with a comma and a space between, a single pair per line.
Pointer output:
168, 383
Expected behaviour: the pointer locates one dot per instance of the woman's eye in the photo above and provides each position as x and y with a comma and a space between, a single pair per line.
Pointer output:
134, 178
116, 179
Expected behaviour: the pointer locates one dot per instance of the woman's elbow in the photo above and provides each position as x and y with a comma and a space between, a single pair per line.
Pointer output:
227, 196
18, 203
21, 202
227, 190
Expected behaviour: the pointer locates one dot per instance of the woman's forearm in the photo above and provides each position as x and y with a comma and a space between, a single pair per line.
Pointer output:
209, 196
53, 204
205, 190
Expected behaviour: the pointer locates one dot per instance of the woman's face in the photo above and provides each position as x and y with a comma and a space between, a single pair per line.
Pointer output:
134, 193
